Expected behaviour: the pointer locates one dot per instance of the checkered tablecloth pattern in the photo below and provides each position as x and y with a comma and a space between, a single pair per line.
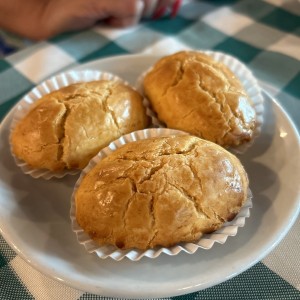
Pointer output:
265, 35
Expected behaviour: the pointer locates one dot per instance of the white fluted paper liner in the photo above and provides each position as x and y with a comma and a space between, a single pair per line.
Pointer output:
53, 84
205, 242
248, 81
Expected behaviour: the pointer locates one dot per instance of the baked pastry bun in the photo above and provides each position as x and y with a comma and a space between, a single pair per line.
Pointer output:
160, 192
67, 127
190, 91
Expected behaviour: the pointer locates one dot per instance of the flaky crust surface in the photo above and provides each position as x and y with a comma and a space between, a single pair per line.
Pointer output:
66, 128
159, 192
192, 92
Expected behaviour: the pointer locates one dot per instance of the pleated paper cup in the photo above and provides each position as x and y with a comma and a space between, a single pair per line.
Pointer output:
205, 242
248, 81
53, 84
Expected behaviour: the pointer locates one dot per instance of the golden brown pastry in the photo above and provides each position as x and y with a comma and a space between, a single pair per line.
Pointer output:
66, 128
159, 192
192, 92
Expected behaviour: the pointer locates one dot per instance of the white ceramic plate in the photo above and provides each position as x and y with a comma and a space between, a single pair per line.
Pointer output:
34, 216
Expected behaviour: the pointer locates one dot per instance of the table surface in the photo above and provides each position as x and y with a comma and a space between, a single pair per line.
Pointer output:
265, 35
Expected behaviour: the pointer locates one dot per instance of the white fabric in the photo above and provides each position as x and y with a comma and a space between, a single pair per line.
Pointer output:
40, 286
34, 67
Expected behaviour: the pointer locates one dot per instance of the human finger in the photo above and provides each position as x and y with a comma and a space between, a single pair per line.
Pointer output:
164, 7
123, 14
150, 7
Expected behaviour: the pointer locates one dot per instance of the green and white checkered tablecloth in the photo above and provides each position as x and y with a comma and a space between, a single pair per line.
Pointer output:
265, 35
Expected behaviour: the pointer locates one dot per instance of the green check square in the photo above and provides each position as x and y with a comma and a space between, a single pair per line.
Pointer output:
254, 9
196, 9
3, 261
293, 87
259, 35
291, 6
11, 286
139, 40
6, 253
169, 26
241, 50
222, 2
12, 84
63, 36
297, 31
282, 20
82, 44
4, 65
8, 105
201, 36
108, 50
275, 68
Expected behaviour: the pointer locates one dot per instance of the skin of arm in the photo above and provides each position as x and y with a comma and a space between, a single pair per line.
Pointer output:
25, 20
42, 19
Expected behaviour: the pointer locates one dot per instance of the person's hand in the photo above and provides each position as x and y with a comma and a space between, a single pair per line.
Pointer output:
41, 19
65, 15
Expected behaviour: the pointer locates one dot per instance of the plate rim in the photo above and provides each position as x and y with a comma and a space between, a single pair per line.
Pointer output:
137, 294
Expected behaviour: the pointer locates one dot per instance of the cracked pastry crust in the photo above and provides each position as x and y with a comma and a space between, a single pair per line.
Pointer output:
160, 192
192, 92
66, 128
